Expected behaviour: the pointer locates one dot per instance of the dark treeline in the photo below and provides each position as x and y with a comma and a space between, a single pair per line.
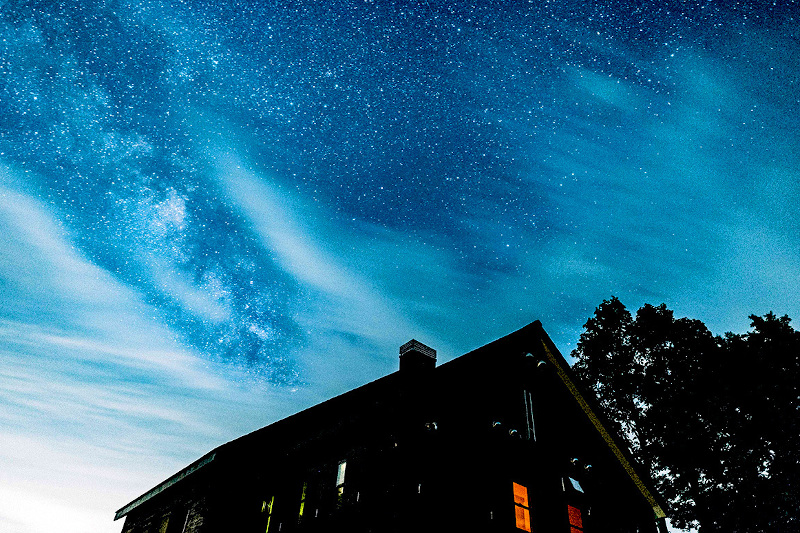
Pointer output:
715, 420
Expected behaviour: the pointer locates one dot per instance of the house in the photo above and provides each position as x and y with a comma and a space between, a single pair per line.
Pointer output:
500, 439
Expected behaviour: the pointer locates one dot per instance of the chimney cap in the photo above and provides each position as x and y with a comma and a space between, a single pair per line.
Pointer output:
415, 346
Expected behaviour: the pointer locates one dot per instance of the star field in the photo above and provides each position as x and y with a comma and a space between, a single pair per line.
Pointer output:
283, 192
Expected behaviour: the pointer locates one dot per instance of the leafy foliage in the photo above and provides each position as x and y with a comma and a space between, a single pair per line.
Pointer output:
715, 420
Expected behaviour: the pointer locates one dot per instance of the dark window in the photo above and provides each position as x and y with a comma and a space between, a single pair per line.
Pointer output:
529, 422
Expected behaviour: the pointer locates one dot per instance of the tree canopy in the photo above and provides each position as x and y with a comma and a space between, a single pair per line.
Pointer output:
715, 419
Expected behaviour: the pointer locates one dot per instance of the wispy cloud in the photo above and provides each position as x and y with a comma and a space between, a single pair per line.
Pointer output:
98, 401
210, 219
353, 324
132, 198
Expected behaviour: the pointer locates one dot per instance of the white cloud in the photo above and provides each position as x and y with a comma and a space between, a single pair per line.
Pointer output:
341, 300
364, 290
97, 401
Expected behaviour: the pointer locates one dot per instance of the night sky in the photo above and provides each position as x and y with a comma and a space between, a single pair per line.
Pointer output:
216, 213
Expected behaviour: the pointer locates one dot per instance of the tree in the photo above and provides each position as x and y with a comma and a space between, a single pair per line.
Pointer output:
764, 416
713, 420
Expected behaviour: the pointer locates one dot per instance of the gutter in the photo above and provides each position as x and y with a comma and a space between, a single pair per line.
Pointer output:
161, 487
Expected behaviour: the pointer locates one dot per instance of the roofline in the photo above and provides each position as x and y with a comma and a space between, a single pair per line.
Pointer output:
161, 487
598, 425
300, 414
207, 458
551, 352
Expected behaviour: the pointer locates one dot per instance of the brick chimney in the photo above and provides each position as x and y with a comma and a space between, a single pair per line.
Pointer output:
415, 357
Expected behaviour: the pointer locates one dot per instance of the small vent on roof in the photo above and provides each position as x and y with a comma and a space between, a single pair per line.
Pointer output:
416, 356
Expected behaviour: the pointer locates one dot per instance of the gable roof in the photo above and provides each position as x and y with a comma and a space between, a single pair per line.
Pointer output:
531, 337
555, 358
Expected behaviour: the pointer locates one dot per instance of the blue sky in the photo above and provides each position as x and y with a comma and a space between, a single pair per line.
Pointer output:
214, 214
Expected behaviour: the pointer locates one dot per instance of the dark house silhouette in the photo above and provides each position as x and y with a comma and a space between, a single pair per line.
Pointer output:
497, 440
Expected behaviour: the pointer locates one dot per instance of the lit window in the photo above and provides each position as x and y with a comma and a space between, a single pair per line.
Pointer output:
340, 477
576, 485
266, 508
164, 524
575, 520
522, 510
303, 499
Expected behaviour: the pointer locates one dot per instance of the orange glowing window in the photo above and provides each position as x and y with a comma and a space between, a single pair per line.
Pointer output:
520, 495
522, 512
575, 520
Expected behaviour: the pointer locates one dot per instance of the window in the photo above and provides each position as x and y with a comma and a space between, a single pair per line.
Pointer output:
266, 508
575, 519
164, 524
340, 477
302, 500
529, 422
186, 520
522, 511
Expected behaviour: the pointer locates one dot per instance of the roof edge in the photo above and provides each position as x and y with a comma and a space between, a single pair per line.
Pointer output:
161, 487
556, 359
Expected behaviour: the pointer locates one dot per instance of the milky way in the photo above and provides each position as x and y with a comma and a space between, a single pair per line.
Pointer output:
493, 131
216, 213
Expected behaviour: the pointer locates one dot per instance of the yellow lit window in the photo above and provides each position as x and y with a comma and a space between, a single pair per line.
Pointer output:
340, 474
266, 508
303, 499
340, 481
522, 511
